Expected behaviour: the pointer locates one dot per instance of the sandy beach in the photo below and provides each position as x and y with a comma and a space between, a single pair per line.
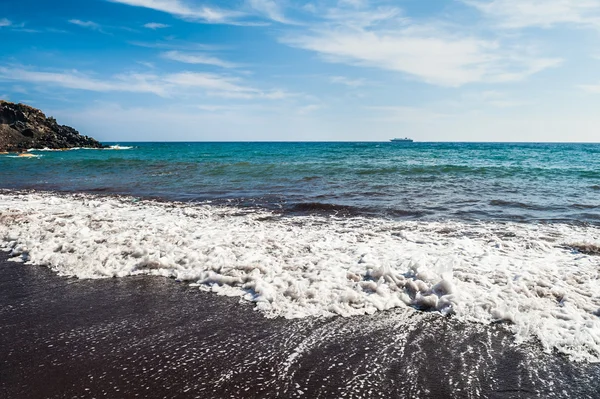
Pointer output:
158, 338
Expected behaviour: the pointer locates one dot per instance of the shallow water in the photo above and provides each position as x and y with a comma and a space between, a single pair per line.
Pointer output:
465, 181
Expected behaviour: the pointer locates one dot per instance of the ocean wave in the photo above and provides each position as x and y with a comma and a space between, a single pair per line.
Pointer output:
111, 147
541, 280
24, 155
118, 147
325, 209
516, 204
329, 209
46, 149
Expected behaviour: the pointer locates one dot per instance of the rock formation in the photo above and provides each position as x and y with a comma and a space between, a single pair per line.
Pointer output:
23, 127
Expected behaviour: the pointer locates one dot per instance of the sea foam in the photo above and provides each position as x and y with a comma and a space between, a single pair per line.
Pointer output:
111, 147
529, 276
118, 147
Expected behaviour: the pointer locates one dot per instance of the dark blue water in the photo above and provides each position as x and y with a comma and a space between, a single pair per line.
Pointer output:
470, 181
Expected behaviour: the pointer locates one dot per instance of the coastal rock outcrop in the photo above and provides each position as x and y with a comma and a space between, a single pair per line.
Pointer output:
23, 127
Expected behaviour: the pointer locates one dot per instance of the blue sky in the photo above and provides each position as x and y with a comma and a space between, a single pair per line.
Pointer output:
434, 70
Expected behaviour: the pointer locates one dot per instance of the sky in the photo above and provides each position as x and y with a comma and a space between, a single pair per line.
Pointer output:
324, 70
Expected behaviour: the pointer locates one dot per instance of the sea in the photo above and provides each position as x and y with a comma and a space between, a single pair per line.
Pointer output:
485, 234
404, 181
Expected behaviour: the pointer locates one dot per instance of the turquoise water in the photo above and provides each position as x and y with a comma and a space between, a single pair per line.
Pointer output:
467, 181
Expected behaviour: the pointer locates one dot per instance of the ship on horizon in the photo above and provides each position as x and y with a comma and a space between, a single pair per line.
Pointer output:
403, 140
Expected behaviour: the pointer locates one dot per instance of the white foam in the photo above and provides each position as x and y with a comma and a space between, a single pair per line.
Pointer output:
523, 274
46, 149
24, 156
112, 147
118, 147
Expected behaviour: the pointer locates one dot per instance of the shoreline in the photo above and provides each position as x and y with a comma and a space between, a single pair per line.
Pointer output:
158, 338
63, 149
299, 267
293, 209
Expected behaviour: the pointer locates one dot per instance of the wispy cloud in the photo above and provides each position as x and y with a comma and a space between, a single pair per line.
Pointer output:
147, 64
79, 81
221, 86
346, 81
436, 52
167, 85
197, 58
540, 13
5, 22
270, 9
207, 81
155, 25
100, 28
180, 9
85, 24
363, 17
177, 45
425, 53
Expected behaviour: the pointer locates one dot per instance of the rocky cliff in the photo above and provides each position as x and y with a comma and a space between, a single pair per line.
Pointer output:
23, 127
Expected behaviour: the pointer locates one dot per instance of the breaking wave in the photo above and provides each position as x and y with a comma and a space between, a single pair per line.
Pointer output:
539, 279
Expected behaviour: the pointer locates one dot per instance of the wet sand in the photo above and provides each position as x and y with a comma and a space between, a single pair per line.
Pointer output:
158, 338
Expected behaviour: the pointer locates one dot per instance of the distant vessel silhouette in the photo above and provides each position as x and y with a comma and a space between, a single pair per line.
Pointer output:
404, 140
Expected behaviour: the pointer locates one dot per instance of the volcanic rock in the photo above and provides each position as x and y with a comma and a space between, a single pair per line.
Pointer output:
23, 127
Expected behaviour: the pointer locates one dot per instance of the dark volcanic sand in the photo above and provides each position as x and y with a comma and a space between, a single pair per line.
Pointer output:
153, 337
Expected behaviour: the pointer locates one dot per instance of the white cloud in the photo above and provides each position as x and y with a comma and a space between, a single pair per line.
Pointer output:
155, 25
85, 24
5, 22
425, 53
172, 44
183, 83
364, 18
182, 10
147, 64
207, 81
271, 9
79, 81
540, 13
197, 58
346, 81
438, 52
